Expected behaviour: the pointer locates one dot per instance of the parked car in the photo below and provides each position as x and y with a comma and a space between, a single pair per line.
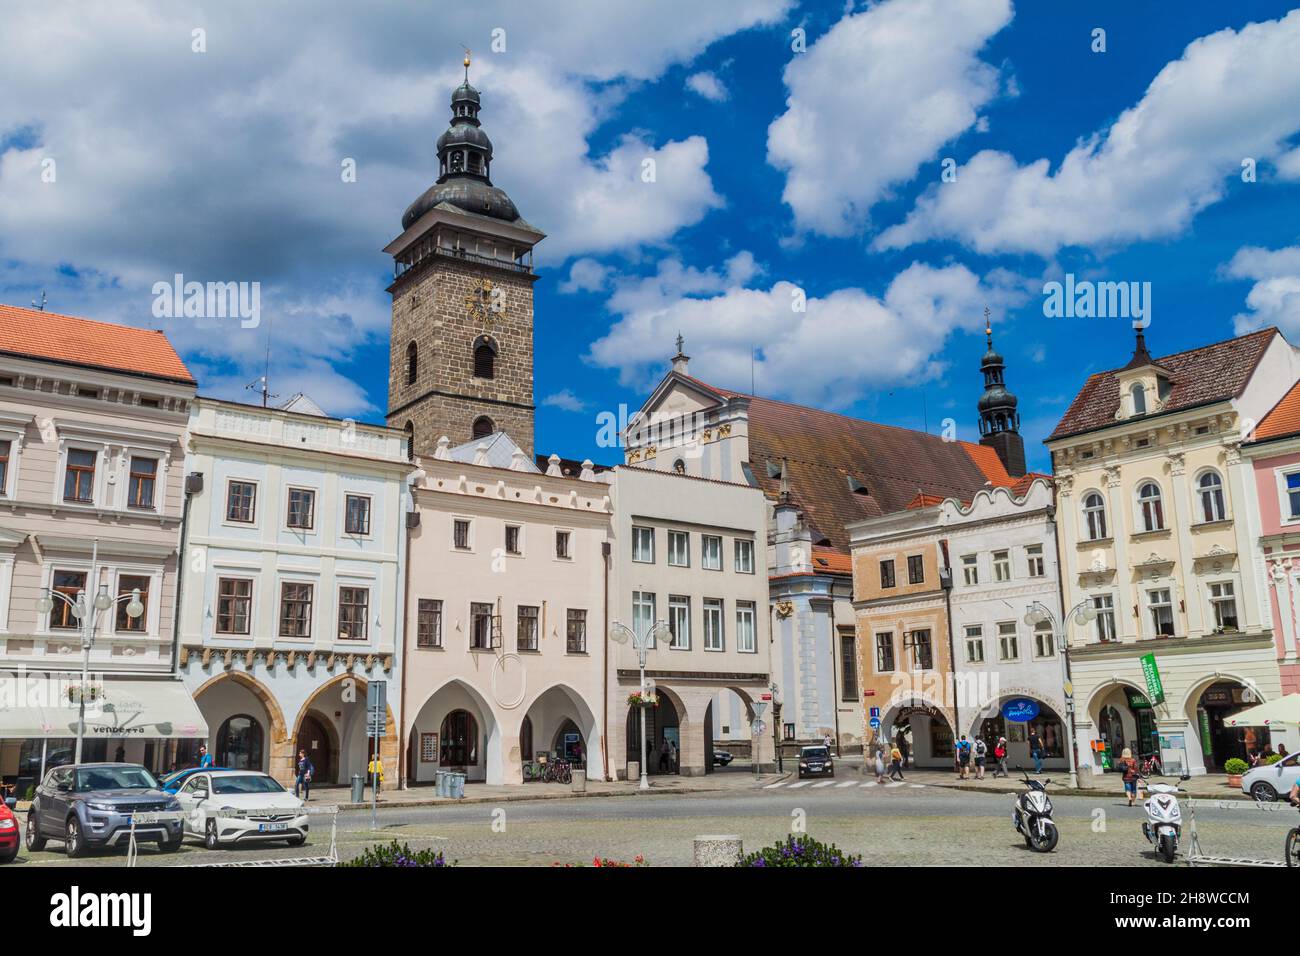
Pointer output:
90, 805
176, 779
722, 757
1274, 781
8, 831
204, 795
816, 762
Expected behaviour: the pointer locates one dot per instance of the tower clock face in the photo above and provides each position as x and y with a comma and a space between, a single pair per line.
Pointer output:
485, 302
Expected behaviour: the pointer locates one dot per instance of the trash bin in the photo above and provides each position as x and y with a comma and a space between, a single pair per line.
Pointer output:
358, 788
633, 769
440, 783
456, 785
579, 784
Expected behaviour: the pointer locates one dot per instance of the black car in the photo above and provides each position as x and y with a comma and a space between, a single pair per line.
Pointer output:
90, 805
815, 762
722, 757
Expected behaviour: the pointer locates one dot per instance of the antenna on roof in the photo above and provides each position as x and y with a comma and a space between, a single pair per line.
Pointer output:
262, 383
41, 306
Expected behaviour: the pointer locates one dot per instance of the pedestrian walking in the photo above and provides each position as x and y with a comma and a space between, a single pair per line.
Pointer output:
1000, 754
981, 754
1036, 750
376, 772
895, 763
1129, 767
903, 748
304, 771
880, 764
963, 757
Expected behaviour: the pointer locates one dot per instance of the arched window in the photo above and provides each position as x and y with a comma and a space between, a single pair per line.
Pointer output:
1210, 487
679, 466
410, 441
485, 356
412, 364
239, 744
1139, 399
459, 747
1094, 514
483, 427
1153, 511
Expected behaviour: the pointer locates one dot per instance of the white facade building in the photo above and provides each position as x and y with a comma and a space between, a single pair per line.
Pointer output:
292, 585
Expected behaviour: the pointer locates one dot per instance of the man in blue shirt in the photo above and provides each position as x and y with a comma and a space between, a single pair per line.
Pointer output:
205, 758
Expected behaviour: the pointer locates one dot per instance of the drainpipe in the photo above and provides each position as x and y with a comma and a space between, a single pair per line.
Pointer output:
193, 485
604, 744
1065, 644
404, 745
945, 581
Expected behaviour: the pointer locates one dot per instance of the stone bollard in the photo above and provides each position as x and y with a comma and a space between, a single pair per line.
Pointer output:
718, 850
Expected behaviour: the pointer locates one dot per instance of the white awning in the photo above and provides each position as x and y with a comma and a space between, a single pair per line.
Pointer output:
1284, 710
148, 709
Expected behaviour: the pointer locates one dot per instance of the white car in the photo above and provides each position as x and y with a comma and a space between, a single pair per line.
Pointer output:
206, 794
1273, 782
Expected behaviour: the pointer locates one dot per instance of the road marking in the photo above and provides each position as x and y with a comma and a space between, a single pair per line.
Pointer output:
917, 786
896, 783
846, 783
824, 783
870, 783
773, 786
801, 783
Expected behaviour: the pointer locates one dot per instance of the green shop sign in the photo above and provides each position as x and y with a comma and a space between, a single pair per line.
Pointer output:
1151, 673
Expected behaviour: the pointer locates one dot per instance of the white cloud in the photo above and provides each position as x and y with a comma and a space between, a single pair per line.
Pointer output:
566, 400
1231, 95
225, 165
875, 97
845, 344
708, 85
585, 275
1274, 299
1288, 165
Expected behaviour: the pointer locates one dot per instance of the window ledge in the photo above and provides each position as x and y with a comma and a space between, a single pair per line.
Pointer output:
1084, 542
1209, 525
1154, 533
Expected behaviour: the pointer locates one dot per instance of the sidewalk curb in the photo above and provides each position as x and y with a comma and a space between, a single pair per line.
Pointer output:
523, 797
1078, 792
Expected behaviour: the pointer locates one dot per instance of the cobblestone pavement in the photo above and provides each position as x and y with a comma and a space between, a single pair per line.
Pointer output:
926, 826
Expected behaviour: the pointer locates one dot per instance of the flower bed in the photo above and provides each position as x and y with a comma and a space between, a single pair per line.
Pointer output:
395, 854
637, 860
799, 850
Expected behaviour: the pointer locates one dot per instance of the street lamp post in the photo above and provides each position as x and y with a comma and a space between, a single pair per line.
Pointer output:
1082, 613
88, 616
641, 643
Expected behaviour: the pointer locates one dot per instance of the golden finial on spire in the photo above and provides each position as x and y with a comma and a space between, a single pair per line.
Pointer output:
467, 60
988, 325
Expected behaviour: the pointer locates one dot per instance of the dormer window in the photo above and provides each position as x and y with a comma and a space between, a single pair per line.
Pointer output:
1139, 394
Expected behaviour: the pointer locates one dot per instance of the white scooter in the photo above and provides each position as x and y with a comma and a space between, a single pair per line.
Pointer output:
1164, 823
1032, 816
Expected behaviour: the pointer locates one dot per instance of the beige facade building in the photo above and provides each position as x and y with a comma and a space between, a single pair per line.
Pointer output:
292, 585
92, 471
505, 644
1153, 498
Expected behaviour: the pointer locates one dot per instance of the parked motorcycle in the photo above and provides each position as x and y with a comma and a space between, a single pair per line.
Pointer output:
1164, 823
1032, 816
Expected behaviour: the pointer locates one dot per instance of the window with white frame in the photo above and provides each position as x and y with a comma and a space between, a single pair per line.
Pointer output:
744, 556
643, 614
1292, 506
302, 509
480, 625
1209, 488
745, 642
1008, 641
1139, 393
1001, 565
679, 549
1161, 609
5, 451
711, 552
1104, 605
79, 476
970, 568
1094, 515
1151, 509
679, 621
241, 501
354, 608
428, 623
460, 528
643, 545
295, 609
1223, 600
356, 515
526, 635
69, 584
512, 539
1034, 561
127, 585
1044, 641
563, 545
575, 631
974, 644
713, 637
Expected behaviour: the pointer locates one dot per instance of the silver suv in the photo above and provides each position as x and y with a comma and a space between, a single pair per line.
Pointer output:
89, 805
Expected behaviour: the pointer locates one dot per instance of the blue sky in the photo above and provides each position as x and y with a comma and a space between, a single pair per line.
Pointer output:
778, 173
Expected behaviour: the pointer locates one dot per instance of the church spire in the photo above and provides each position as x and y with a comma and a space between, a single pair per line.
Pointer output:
999, 420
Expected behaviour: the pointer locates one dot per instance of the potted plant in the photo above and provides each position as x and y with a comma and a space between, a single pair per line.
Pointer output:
643, 699
1234, 768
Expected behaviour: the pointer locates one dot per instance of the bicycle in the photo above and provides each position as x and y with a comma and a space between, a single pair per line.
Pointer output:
1293, 843
559, 771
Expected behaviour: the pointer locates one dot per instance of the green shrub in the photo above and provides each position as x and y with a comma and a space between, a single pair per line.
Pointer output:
398, 855
1272, 759
800, 850
30, 795
1235, 766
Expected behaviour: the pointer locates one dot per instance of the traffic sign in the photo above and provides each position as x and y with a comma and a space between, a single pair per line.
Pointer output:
875, 712
377, 708
875, 723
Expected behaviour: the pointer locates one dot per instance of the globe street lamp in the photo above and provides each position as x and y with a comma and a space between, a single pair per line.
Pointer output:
88, 618
1082, 614
641, 643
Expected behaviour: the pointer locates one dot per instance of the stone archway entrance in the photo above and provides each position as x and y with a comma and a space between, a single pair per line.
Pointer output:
662, 726
1209, 710
925, 731
316, 736
232, 694
338, 710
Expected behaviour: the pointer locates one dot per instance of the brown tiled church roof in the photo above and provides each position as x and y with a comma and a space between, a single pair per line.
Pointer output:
1200, 376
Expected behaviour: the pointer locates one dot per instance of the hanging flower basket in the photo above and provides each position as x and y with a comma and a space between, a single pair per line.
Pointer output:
78, 692
639, 699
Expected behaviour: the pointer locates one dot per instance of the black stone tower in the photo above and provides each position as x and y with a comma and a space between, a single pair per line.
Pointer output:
999, 420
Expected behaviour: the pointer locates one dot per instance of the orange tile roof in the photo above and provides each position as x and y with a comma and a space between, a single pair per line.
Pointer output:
923, 500
51, 337
1283, 419
831, 561
989, 463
